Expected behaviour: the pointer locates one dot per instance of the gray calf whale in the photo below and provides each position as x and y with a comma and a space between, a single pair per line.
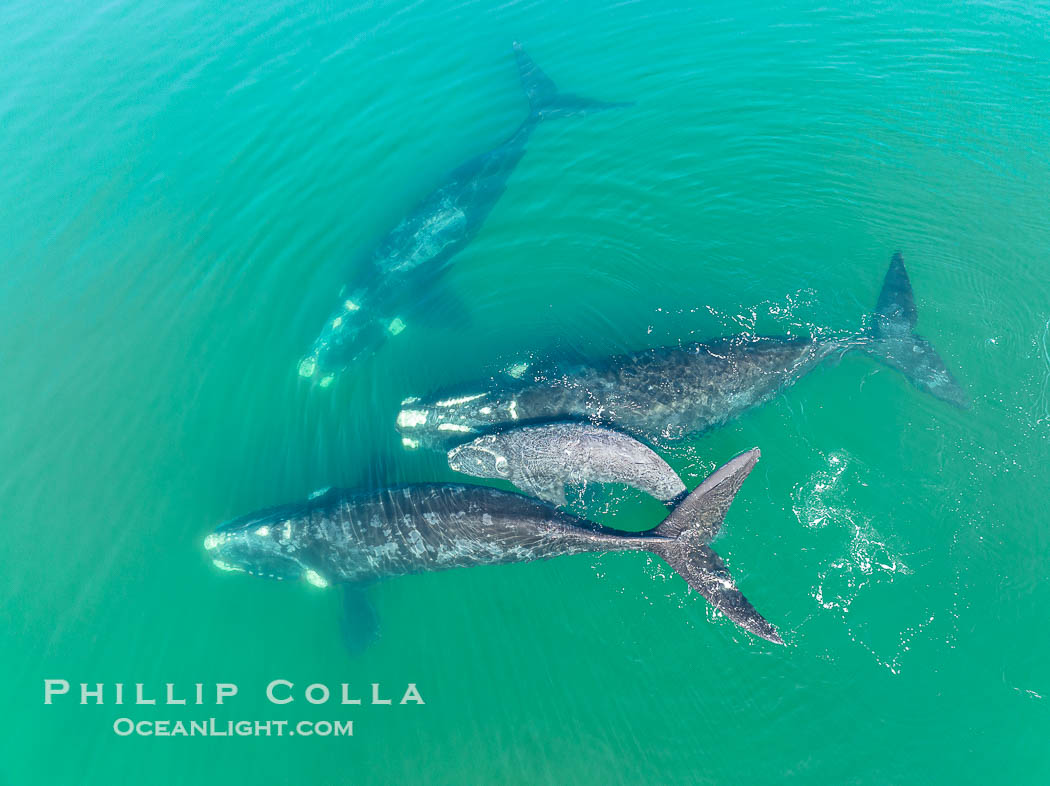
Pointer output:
540, 460
403, 266
358, 537
671, 392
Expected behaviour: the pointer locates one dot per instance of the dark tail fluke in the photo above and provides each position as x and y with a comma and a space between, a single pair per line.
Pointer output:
544, 98
691, 526
895, 342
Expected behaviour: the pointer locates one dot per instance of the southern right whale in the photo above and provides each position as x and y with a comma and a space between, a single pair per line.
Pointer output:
401, 269
357, 537
671, 392
541, 459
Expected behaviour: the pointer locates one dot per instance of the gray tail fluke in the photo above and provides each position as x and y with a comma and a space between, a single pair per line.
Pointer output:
895, 342
686, 532
544, 98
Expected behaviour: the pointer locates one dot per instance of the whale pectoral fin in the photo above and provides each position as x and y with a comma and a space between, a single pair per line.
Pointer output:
359, 625
556, 495
546, 488
436, 305
836, 357
380, 470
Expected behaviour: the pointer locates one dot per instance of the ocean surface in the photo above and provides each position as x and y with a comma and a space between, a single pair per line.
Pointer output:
185, 187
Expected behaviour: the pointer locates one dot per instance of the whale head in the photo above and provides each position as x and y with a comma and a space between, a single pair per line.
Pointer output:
350, 333
267, 543
481, 458
451, 419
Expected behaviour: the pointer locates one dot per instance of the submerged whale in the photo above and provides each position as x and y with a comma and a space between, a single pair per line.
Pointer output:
355, 538
540, 460
672, 392
403, 266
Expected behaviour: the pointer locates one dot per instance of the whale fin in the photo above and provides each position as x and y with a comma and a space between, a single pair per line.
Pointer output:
683, 545
553, 492
705, 572
546, 487
893, 339
359, 624
544, 98
895, 313
701, 512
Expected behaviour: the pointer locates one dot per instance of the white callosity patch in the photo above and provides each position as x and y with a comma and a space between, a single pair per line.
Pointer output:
227, 566
454, 427
411, 418
315, 578
451, 402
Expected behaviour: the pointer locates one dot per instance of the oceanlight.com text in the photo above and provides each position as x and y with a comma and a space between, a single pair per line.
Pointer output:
126, 727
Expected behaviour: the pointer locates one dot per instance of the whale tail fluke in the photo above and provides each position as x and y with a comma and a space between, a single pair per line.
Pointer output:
686, 532
545, 100
893, 339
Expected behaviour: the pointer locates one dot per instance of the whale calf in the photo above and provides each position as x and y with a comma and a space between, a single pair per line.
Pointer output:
358, 537
401, 269
540, 460
672, 392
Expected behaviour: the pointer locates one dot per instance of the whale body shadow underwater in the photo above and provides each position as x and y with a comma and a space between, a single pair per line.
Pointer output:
403, 267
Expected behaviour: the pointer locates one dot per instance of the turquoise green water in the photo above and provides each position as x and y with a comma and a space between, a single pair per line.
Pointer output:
183, 187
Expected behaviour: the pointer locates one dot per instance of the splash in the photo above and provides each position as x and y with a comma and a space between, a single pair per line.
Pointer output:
1043, 403
785, 313
810, 500
867, 561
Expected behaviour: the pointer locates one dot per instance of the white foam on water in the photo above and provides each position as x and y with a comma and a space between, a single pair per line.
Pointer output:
517, 370
1043, 402
867, 560
811, 501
